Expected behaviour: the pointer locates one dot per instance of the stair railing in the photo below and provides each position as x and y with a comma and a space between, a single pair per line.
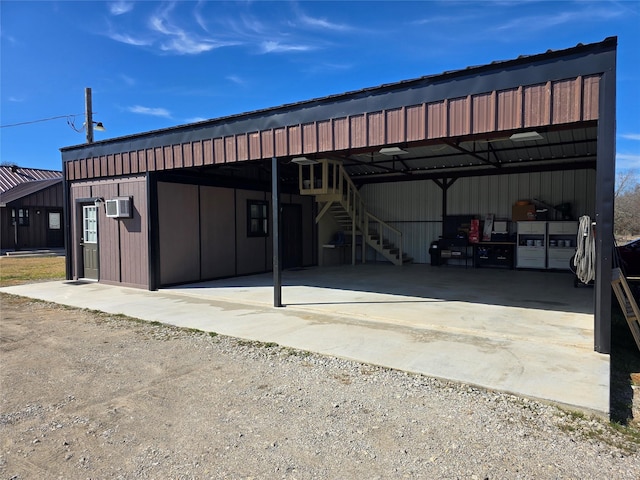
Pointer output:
329, 178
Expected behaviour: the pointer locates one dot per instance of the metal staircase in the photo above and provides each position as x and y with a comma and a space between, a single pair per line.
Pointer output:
337, 195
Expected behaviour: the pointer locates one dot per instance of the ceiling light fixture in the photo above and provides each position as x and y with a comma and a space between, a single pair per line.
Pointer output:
304, 161
392, 151
525, 137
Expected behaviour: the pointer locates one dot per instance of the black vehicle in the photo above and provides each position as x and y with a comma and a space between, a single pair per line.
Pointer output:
628, 257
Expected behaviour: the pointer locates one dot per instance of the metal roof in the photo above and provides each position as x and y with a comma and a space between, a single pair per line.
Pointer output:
13, 175
26, 189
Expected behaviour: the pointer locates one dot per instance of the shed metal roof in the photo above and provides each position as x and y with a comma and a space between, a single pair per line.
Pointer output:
26, 189
12, 175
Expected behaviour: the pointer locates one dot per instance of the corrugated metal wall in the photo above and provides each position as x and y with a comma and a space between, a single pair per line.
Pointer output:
415, 208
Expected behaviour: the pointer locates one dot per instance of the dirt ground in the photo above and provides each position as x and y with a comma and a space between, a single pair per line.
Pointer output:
87, 395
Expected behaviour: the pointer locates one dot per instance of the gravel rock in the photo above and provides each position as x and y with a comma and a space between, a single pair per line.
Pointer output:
87, 395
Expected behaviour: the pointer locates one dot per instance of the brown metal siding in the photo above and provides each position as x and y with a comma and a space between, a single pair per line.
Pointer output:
341, 133
294, 134
375, 127
134, 252
590, 97
395, 127
325, 136
459, 116
281, 142
358, 128
255, 152
267, 138
484, 113
537, 105
309, 138
242, 148
566, 94
416, 123
563, 101
436, 120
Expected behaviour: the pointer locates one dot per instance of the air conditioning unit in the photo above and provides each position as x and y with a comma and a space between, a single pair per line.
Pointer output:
119, 207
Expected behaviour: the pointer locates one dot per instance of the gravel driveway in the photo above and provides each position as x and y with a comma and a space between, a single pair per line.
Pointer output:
86, 395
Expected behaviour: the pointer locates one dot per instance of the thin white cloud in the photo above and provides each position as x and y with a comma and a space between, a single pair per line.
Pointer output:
178, 40
236, 79
626, 161
630, 136
323, 23
155, 112
195, 119
120, 8
128, 80
272, 46
129, 40
543, 22
16, 99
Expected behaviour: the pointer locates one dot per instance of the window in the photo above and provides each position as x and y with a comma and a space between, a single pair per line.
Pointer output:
22, 215
257, 218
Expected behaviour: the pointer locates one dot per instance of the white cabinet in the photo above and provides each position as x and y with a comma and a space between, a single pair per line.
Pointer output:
531, 245
545, 244
561, 244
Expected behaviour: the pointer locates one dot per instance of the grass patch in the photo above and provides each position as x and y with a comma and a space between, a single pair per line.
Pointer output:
18, 271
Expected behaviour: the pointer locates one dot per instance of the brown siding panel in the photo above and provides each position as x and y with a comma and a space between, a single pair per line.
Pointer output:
176, 155
96, 167
591, 98
566, 101
459, 115
509, 109
242, 147
436, 117
267, 144
376, 129
358, 131
325, 136
169, 161
151, 159
295, 139
341, 133
208, 152
142, 161
255, 150
416, 125
160, 158
118, 161
281, 142
134, 162
197, 156
230, 154
134, 255
126, 165
309, 138
537, 105
218, 150
395, 127
484, 117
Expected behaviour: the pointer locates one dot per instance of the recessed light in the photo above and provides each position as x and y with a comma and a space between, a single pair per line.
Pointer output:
392, 151
525, 136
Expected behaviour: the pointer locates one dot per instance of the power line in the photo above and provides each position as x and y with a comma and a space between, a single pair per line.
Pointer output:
42, 120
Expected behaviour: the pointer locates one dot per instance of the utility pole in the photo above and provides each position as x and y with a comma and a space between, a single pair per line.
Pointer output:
88, 115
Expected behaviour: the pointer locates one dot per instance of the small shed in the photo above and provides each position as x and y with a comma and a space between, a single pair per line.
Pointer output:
31, 208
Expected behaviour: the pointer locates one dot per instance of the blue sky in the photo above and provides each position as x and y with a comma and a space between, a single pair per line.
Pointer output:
159, 64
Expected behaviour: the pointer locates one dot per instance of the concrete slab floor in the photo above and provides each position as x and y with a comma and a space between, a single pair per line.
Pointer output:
525, 332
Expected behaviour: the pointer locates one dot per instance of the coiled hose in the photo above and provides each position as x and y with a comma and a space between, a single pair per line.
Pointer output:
585, 258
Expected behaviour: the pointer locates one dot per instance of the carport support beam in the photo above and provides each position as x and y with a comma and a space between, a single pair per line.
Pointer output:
275, 200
